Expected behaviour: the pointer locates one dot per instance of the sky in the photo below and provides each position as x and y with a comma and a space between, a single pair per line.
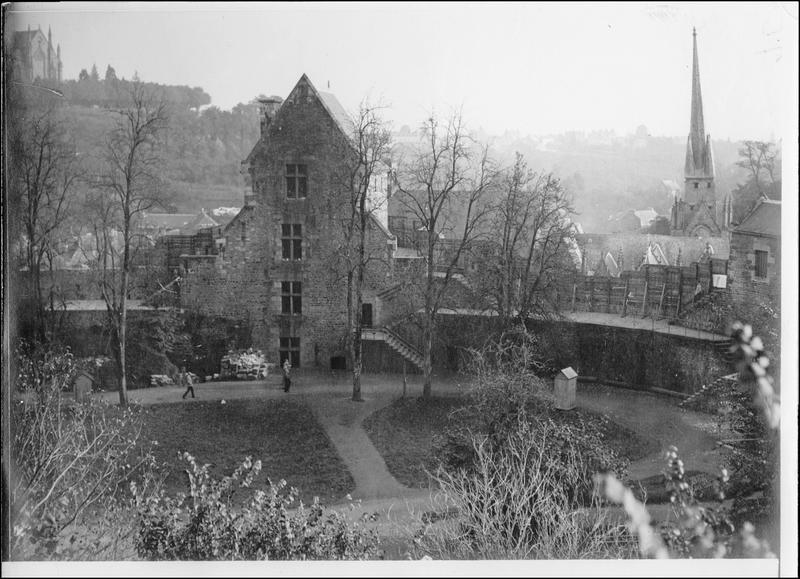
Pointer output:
532, 68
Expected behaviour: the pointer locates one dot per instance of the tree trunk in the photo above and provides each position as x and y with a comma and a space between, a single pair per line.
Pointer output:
427, 365
356, 353
121, 335
41, 330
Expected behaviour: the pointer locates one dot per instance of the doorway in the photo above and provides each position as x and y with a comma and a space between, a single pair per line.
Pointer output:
366, 315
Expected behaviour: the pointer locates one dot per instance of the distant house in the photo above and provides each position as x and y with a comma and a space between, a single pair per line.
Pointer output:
755, 261
625, 221
156, 225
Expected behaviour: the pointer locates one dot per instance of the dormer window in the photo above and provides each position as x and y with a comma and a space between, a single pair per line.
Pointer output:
296, 181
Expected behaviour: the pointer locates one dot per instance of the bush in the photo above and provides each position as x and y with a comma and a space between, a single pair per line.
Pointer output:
70, 460
518, 482
507, 395
205, 526
520, 500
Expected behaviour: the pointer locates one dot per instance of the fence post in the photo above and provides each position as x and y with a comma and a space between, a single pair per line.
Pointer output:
644, 297
710, 276
625, 299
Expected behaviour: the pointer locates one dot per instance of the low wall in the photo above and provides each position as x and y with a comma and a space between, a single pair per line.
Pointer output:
639, 358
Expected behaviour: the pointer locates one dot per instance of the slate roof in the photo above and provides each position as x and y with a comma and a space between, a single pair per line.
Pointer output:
337, 112
764, 219
166, 220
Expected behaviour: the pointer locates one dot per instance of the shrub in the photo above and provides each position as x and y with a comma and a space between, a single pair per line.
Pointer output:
519, 500
507, 395
70, 460
204, 525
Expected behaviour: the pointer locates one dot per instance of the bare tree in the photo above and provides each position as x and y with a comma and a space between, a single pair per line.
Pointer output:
127, 185
531, 222
46, 170
762, 161
443, 186
368, 170
760, 157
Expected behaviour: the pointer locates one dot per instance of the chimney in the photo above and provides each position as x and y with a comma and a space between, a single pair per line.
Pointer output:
267, 108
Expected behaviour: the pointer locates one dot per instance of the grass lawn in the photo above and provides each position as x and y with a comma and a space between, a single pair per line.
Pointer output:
404, 433
283, 434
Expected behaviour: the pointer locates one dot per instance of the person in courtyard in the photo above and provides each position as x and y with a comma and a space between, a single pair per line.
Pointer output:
287, 380
185, 379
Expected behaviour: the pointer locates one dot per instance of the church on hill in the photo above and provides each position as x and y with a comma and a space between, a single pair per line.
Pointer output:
34, 56
695, 214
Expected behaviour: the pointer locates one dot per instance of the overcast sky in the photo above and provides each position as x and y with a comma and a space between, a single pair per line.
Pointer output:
535, 68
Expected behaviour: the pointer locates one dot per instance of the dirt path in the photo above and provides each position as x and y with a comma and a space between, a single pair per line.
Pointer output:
342, 419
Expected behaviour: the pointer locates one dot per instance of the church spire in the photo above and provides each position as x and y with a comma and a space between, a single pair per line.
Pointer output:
699, 162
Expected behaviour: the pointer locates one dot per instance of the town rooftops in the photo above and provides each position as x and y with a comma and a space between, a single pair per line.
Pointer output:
764, 219
184, 222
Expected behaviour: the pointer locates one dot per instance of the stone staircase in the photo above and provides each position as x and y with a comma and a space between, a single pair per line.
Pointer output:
697, 400
396, 343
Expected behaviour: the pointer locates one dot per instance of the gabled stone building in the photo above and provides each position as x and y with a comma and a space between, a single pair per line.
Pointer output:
281, 265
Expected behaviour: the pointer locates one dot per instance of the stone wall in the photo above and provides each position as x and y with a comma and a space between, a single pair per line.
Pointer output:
746, 288
637, 358
379, 358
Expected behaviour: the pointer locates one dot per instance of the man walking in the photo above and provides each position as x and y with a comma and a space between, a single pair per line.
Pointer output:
287, 380
184, 378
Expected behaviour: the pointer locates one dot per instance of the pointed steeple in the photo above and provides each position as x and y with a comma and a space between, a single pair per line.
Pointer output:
699, 162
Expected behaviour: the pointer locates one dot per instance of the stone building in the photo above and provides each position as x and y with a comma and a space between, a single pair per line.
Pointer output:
695, 213
34, 56
755, 261
281, 262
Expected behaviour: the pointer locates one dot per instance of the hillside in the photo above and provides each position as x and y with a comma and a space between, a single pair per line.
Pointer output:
204, 146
